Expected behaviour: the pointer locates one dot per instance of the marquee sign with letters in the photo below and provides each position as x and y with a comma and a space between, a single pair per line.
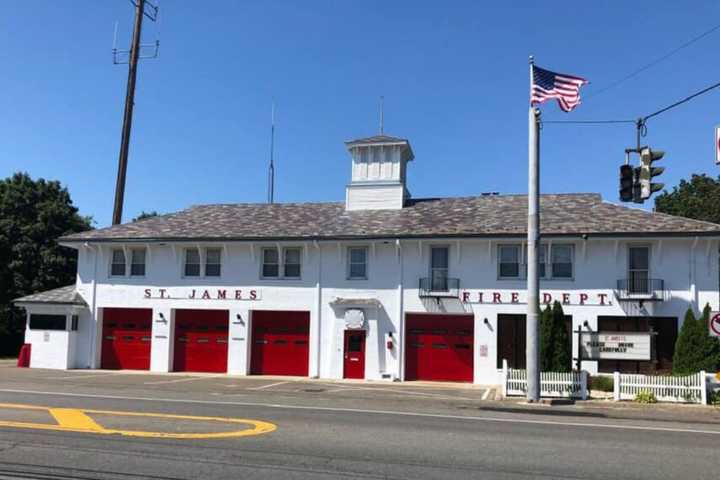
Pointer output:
616, 346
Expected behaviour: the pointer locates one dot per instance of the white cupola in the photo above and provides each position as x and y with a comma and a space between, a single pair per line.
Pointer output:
379, 166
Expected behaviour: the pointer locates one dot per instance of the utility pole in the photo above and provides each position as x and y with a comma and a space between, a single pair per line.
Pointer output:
533, 238
129, 104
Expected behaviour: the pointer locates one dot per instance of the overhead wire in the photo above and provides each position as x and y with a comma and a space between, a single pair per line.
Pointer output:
654, 62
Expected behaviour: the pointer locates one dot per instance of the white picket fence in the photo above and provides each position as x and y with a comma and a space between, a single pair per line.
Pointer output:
687, 389
552, 384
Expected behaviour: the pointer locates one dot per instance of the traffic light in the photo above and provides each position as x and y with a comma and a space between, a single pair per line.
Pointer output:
627, 181
647, 172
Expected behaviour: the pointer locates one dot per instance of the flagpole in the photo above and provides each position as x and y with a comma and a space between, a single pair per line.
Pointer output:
533, 238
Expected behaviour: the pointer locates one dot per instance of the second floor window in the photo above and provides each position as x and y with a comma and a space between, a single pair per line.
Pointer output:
271, 265
557, 265
291, 262
117, 265
291, 267
357, 263
562, 261
509, 261
439, 268
213, 262
192, 262
137, 263
638, 269
194, 266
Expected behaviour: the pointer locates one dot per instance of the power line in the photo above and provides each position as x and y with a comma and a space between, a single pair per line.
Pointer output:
680, 102
589, 122
654, 62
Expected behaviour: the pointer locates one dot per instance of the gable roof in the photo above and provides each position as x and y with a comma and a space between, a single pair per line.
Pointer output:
483, 216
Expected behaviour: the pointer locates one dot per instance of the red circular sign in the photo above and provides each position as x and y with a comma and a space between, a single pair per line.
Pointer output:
715, 324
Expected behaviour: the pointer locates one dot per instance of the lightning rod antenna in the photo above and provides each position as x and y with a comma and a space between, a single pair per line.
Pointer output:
271, 170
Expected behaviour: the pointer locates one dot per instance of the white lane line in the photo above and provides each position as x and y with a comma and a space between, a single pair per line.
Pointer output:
263, 387
373, 412
180, 380
486, 394
80, 376
403, 392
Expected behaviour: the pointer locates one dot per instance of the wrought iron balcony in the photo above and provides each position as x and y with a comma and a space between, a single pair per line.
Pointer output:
641, 288
440, 287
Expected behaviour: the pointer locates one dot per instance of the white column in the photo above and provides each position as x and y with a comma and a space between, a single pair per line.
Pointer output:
163, 330
239, 341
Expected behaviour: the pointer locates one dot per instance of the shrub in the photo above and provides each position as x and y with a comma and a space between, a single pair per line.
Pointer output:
561, 341
714, 398
645, 396
695, 350
546, 340
602, 383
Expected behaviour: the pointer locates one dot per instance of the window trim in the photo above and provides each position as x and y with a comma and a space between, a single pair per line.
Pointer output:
348, 257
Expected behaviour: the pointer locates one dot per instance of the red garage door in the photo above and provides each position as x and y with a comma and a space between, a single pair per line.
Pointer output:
201, 341
439, 347
126, 338
280, 343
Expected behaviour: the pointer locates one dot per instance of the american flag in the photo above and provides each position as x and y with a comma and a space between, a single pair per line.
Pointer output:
565, 88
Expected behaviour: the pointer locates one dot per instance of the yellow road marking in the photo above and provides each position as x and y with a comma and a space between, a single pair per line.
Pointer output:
74, 419
77, 420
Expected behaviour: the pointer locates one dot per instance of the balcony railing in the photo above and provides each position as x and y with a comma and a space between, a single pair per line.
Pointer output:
641, 288
440, 287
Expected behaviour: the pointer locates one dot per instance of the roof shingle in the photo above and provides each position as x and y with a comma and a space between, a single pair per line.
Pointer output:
62, 296
483, 216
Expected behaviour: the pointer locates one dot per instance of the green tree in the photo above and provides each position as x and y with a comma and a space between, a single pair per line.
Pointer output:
143, 215
562, 356
547, 340
33, 214
710, 356
688, 346
698, 198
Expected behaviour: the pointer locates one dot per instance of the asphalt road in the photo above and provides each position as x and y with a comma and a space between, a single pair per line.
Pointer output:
332, 430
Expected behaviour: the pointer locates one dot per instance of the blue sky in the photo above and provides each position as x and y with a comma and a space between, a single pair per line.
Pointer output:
454, 76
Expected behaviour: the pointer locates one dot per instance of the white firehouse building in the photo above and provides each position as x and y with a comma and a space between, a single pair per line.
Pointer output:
381, 286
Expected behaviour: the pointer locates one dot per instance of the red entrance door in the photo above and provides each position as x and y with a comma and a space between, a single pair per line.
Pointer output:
126, 338
201, 341
439, 347
280, 343
354, 364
